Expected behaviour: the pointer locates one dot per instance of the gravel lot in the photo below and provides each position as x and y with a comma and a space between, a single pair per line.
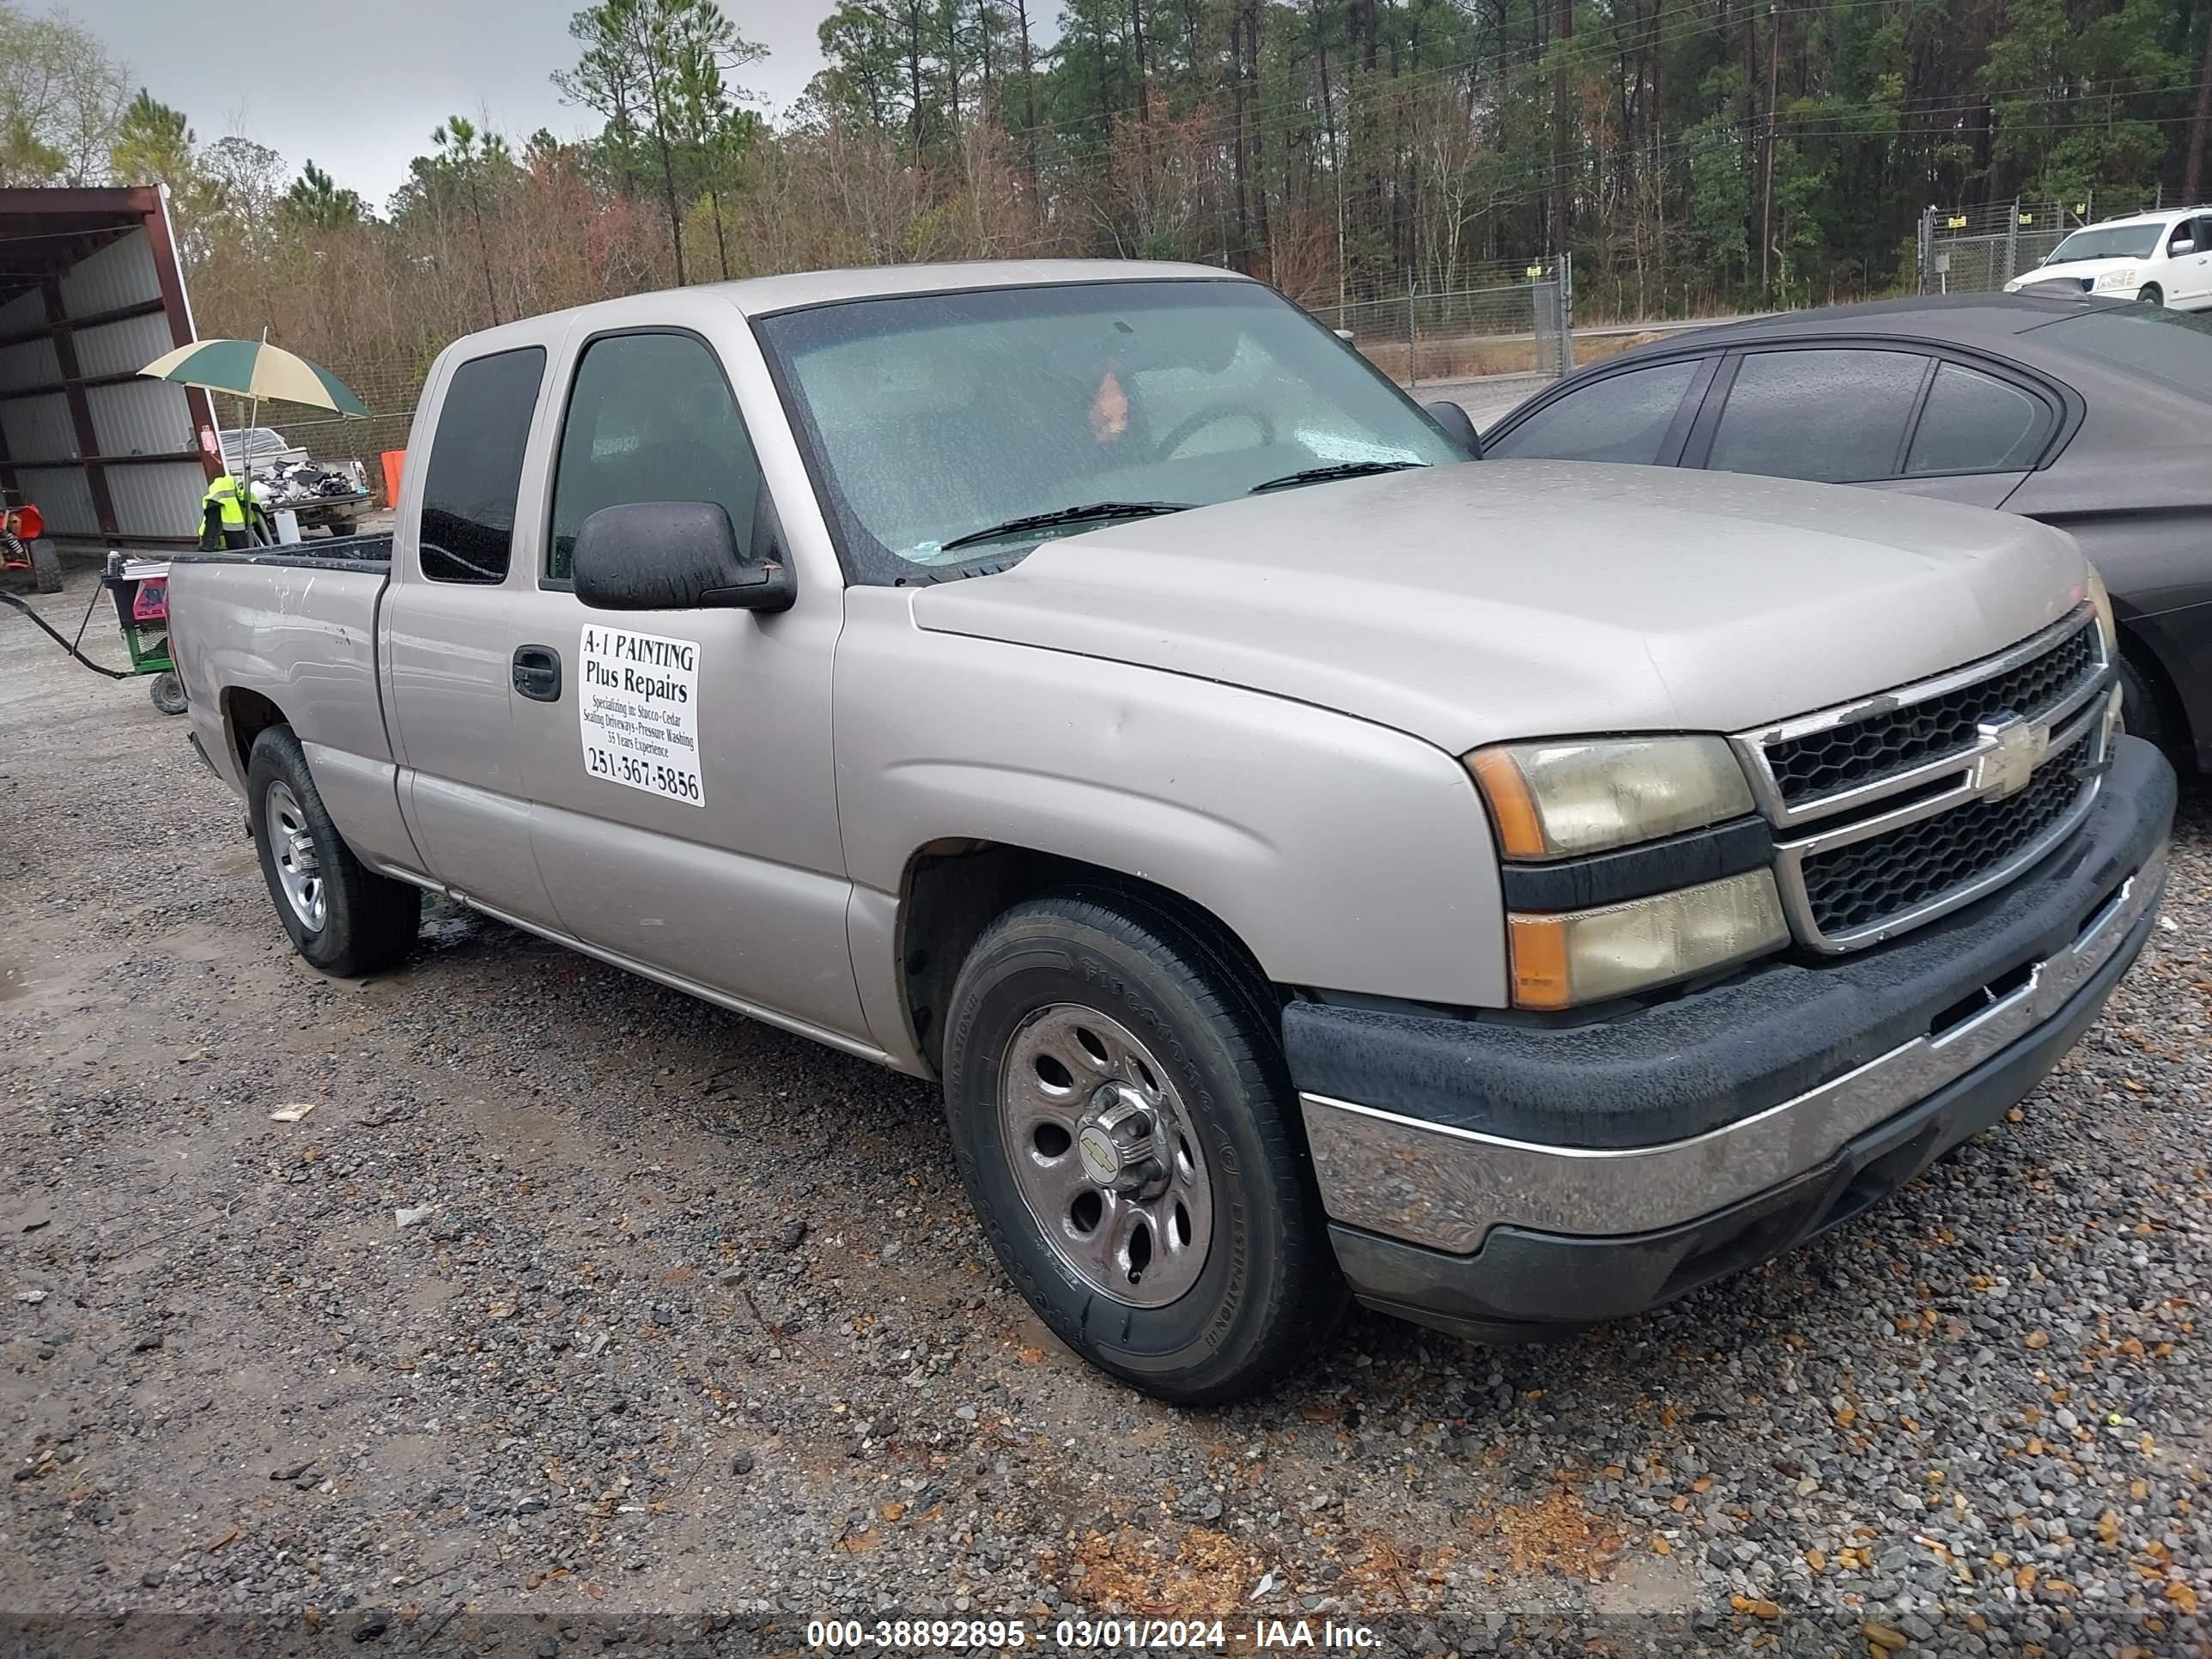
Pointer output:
692, 1330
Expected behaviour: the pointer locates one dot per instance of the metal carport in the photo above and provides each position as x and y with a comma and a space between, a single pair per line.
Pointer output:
90, 291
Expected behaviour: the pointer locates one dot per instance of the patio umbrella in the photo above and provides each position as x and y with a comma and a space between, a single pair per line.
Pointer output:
256, 369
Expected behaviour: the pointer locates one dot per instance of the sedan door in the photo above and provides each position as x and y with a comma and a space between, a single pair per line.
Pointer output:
678, 761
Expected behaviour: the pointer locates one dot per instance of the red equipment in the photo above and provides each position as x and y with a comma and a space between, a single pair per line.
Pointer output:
21, 527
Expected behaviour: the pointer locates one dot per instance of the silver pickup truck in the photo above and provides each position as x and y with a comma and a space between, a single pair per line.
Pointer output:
1314, 859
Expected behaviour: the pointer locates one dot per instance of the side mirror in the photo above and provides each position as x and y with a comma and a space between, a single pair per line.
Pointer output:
2184, 245
1343, 334
673, 555
1457, 427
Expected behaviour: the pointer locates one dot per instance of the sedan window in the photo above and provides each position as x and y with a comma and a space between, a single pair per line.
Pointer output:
1836, 417
1975, 422
1621, 417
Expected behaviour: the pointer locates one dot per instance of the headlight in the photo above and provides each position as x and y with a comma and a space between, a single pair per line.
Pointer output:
1553, 801
2106, 625
2116, 279
1586, 956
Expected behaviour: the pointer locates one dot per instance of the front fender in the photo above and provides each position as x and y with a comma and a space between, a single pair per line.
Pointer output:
1345, 855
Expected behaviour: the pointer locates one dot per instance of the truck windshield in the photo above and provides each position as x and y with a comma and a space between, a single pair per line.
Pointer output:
934, 417
2107, 242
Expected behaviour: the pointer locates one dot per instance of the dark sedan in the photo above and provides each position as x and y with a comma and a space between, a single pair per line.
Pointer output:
2091, 414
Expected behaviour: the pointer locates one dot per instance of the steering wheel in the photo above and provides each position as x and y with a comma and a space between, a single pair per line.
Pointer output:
1211, 414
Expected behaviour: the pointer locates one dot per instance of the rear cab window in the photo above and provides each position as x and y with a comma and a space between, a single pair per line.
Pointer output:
475, 474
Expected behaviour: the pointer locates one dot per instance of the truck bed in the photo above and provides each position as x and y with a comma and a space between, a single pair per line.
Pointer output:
285, 636
335, 552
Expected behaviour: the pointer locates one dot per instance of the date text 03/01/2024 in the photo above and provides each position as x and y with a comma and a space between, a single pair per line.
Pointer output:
1092, 1635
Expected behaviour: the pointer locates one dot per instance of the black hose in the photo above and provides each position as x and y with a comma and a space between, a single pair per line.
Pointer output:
112, 673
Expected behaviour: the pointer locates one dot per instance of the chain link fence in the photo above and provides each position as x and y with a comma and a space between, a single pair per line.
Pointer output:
1978, 250
1515, 318
389, 391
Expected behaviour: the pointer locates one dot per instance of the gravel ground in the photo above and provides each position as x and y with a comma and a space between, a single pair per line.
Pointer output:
684, 1326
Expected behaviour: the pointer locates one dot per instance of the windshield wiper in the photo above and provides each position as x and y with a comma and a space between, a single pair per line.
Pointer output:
1068, 515
1340, 469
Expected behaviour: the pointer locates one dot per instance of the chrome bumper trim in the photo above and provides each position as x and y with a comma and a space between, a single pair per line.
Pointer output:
1446, 1188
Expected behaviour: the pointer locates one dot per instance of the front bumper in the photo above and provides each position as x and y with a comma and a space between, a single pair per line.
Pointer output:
1444, 1209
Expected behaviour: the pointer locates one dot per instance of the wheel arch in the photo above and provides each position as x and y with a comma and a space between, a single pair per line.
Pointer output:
246, 713
952, 888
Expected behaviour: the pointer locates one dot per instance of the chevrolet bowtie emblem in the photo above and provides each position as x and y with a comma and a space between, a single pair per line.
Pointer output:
2008, 766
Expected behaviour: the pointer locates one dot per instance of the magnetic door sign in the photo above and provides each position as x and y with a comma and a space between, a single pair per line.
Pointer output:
638, 711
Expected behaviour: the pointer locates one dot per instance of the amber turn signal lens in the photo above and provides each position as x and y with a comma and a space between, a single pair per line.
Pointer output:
1540, 979
1520, 827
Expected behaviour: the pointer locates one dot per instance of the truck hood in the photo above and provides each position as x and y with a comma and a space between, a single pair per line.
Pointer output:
1506, 600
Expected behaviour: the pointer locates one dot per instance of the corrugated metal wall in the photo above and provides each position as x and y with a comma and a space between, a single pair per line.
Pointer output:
129, 418
118, 275
122, 348
24, 312
62, 493
38, 429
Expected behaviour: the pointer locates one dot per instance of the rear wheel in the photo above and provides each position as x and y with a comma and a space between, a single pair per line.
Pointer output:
168, 694
47, 566
2152, 295
342, 915
1127, 1129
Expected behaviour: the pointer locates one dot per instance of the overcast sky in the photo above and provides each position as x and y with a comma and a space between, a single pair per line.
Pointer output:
358, 87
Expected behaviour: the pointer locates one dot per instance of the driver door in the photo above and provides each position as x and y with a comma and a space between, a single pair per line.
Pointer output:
677, 762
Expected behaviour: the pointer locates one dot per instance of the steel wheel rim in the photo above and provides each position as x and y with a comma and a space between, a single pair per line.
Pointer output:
292, 845
1105, 1155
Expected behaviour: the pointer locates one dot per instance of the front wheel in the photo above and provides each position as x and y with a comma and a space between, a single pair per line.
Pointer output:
2152, 295
342, 915
1127, 1129
45, 566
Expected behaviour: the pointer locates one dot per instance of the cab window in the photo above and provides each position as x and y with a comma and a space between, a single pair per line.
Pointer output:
476, 466
650, 418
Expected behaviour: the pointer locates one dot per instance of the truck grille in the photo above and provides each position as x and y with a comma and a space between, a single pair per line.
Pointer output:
1899, 808
1880, 745
1890, 875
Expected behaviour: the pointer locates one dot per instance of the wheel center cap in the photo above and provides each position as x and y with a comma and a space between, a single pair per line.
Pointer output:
1115, 1141
1102, 1158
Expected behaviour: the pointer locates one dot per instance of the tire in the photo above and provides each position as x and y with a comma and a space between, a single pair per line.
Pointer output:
1242, 1282
168, 694
349, 920
2151, 294
47, 566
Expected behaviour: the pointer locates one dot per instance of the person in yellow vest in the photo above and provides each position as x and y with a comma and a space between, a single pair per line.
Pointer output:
233, 517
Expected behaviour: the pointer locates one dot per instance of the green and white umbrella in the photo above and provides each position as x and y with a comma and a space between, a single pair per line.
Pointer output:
254, 368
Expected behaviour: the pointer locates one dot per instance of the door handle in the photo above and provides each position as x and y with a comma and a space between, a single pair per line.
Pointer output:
538, 672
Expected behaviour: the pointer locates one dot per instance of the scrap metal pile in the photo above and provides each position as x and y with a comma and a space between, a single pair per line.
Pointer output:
306, 483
